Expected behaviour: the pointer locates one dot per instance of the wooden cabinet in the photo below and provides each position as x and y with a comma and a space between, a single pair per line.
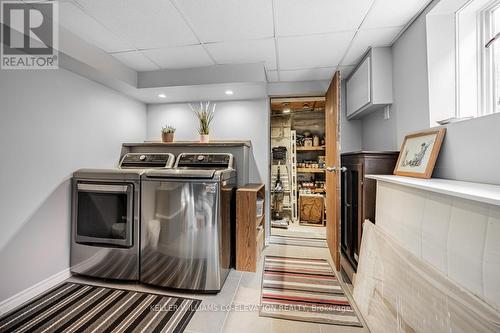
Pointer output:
369, 86
250, 233
358, 198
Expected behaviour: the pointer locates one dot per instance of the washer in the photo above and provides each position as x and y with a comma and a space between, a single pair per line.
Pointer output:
187, 222
105, 217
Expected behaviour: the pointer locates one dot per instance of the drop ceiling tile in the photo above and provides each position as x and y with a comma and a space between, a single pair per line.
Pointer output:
244, 52
145, 23
272, 76
136, 60
180, 57
392, 13
366, 38
228, 20
311, 74
76, 21
299, 17
313, 51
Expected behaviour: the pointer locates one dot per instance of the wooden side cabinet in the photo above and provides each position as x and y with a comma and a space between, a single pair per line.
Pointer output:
250, 230
358, 199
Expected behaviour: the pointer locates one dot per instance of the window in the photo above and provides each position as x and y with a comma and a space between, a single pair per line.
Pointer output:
477, 89
489, 46
463, 74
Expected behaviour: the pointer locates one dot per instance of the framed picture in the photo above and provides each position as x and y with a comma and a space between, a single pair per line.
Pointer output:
419, 153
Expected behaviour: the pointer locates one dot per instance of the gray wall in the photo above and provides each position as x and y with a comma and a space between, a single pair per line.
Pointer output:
469, 151
410, 109
377, 132
350, 130
234, 120
239, 120
51, 123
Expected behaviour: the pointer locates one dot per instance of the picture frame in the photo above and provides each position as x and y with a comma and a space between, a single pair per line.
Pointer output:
419, 153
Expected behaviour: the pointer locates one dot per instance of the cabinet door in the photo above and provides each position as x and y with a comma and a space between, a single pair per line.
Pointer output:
351, 211
359, 87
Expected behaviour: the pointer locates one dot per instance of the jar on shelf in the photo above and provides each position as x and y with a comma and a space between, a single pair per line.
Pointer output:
321, 162
315, 141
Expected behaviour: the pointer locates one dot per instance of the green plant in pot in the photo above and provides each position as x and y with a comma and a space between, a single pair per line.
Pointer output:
167, 133
205, 115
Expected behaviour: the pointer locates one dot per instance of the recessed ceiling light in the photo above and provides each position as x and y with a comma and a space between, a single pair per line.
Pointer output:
286, 110
229, 92
162, 95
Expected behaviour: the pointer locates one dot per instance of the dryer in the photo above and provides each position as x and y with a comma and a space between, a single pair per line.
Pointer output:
106, 214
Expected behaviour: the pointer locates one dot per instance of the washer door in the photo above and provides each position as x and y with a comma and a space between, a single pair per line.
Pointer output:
181, 234
104, 214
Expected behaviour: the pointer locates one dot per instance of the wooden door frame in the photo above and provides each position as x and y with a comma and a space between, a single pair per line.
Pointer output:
332, 129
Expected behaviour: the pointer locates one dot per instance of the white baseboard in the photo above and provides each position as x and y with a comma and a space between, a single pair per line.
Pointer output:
27, 294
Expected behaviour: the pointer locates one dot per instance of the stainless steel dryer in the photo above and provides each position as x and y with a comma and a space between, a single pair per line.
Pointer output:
105, 217
187, 217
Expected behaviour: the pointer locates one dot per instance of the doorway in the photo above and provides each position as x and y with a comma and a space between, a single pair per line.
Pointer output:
305, 170
297, 155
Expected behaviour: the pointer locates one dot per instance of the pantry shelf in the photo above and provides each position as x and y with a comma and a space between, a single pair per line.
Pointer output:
310, 170
318, 148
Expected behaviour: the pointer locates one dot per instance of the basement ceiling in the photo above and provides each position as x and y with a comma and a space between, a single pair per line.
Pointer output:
296, 40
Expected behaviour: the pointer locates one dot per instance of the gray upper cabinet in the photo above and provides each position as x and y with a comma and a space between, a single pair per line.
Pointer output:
369, 87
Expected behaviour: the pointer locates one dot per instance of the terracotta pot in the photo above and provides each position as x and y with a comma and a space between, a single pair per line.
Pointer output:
204, 138
167, 137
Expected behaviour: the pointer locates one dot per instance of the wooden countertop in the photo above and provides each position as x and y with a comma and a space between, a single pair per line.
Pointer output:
215, 143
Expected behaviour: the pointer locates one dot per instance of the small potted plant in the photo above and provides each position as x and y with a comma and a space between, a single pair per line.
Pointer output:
167, 133
205, 114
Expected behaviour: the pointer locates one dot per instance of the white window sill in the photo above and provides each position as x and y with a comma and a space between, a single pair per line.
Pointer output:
485, 193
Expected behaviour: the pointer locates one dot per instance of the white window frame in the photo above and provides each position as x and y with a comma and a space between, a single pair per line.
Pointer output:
486, 78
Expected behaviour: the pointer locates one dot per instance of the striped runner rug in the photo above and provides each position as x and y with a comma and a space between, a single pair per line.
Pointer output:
74, 307
305, 290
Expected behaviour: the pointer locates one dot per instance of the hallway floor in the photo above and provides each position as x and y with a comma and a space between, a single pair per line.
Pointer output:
295, 229
235, 308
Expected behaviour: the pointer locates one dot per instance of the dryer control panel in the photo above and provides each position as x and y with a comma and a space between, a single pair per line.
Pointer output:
147, 160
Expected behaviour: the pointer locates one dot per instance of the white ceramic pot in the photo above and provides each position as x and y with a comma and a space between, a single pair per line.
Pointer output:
204, 138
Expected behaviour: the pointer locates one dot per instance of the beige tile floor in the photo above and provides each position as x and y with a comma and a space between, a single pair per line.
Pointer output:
235, 308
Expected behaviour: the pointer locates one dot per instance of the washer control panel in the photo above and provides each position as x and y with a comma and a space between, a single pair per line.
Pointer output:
205, 160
